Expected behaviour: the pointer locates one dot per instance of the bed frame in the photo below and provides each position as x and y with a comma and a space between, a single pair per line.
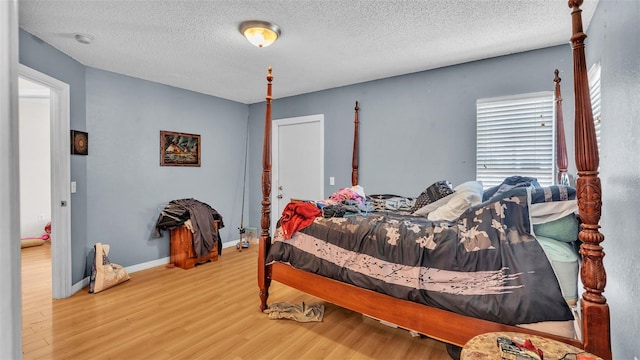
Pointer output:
447, 326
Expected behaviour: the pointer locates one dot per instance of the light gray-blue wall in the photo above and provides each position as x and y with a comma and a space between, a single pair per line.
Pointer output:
414, 129
120, 185
126, 186
614, 41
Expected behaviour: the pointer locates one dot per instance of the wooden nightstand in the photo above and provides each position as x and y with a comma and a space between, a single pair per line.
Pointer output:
181, 248
485, 347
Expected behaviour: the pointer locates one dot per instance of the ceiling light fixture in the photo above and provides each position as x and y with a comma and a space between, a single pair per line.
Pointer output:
83, 38
260, 33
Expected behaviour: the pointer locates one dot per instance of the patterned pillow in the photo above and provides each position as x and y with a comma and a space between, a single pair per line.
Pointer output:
435, 191
552, 193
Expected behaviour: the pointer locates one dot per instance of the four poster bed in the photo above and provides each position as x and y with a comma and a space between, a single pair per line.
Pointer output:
496, 232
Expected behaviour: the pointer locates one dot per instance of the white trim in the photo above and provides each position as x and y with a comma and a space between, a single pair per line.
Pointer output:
10, 284
80, 285
144, 266
129, 269
147, 265
232, 243
60, 181
274, 156
35, 94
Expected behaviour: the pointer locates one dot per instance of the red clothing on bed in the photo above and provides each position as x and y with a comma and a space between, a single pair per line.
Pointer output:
296, 216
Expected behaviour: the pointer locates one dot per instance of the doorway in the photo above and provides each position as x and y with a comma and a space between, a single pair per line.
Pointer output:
35, 159
59, 112
297, 161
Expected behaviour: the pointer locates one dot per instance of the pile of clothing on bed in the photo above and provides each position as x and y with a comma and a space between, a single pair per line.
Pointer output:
345, 202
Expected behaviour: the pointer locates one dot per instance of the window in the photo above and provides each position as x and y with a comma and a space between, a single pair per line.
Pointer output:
594, 93
515, 136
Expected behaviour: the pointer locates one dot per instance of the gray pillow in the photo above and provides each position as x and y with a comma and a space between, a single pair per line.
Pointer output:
434, 192
425, 210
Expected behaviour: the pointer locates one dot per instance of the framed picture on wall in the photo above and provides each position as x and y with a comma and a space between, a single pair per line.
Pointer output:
179, 149
79, 142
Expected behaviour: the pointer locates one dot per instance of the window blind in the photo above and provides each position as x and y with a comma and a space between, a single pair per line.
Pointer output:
594, 93
515, 136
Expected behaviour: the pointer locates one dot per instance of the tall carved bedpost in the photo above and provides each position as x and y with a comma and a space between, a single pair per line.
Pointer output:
354, 160
593, 304
561, 154
264, 278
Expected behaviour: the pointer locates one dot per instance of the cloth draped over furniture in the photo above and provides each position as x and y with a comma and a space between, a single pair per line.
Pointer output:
297, 215
201, 217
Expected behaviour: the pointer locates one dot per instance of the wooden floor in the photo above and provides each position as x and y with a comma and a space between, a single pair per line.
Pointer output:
209, 312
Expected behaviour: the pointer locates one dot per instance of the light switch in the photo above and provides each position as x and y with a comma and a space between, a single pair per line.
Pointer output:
332, 180
73, 187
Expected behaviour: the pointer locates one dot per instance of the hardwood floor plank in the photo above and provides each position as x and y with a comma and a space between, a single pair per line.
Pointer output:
208, 312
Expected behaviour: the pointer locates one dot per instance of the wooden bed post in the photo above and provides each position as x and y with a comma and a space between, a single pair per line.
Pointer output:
595, 311
354, 160
264, 279
561, 154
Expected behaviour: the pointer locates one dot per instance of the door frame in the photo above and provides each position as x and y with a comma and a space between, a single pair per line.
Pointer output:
60, 180
10, 289
275, 136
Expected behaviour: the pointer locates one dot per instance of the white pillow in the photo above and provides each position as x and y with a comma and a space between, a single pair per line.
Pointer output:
464, 196
553, 210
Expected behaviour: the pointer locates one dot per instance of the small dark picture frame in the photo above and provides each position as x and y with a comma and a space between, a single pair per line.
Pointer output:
179, 149
79, 143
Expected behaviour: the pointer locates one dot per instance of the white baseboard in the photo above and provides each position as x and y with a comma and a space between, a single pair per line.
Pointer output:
232, 243
146, 265
80, 285
129, 269
143, 266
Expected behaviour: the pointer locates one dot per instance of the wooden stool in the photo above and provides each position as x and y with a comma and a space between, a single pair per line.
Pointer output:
485, 346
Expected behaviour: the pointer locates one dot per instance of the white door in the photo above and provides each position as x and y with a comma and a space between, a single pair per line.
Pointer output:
297, 161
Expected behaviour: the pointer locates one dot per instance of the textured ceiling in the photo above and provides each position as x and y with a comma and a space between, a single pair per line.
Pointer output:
196, 45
